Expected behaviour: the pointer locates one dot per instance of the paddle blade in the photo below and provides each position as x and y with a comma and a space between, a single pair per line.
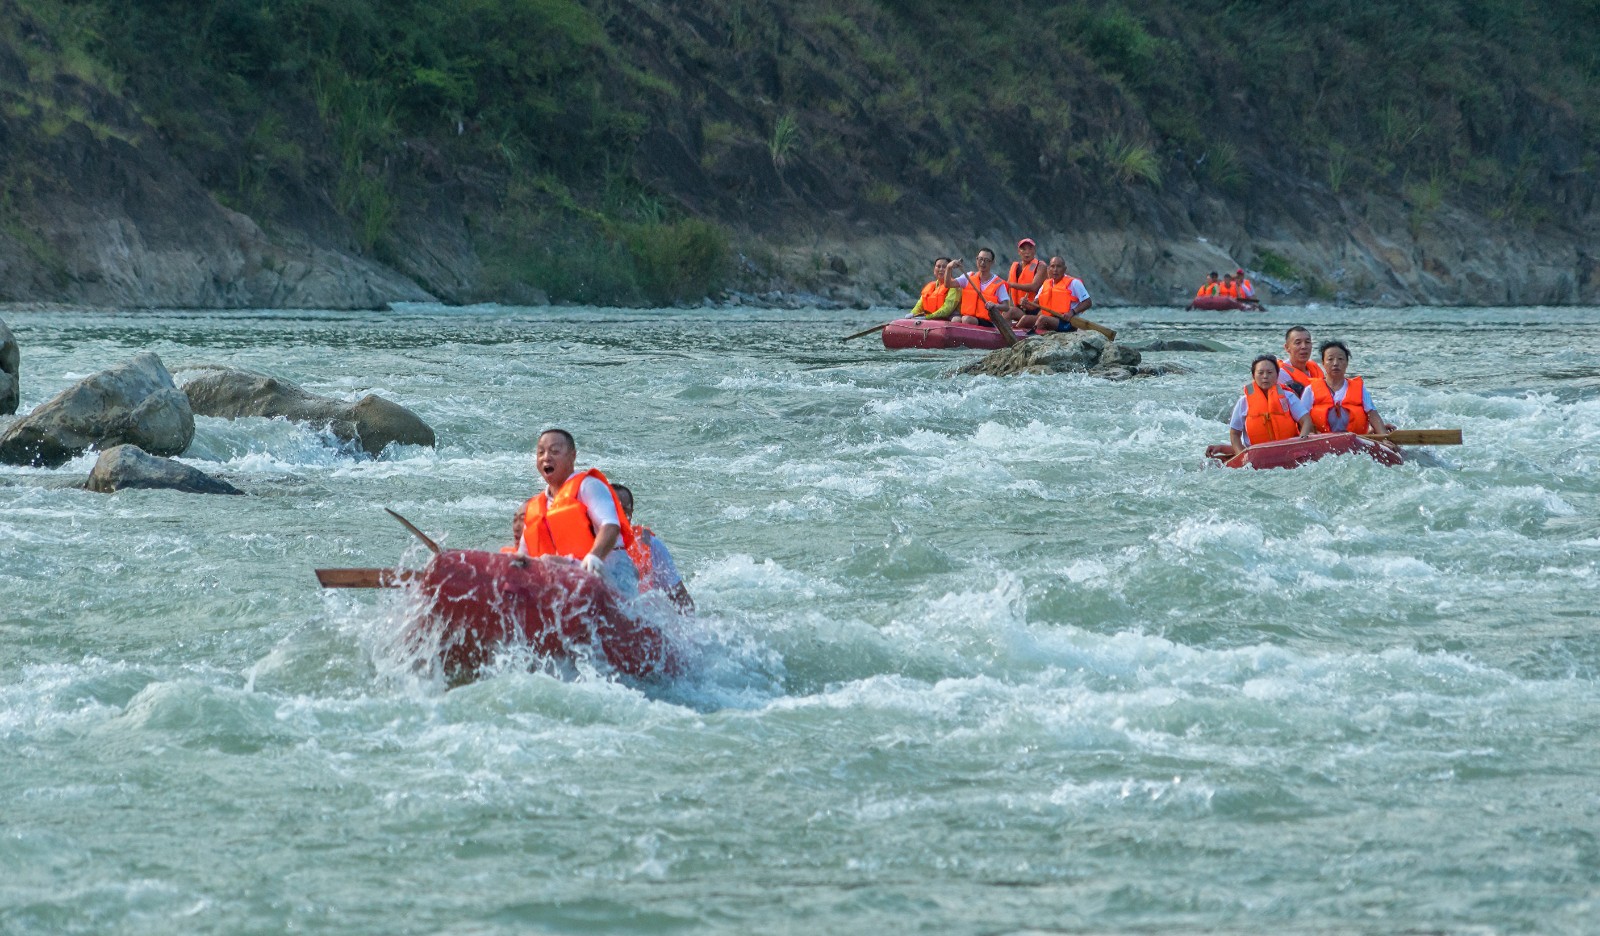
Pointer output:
362, 578
414, 531
1421, 436
1083, 324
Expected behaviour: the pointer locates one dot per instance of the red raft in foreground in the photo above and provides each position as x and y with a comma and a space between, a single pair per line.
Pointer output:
933, 333
1222, 304
478, 602
1291, 453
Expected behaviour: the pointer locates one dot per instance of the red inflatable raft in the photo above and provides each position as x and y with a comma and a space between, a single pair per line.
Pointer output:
475, 603
1222, 304
1291, 453
925, 333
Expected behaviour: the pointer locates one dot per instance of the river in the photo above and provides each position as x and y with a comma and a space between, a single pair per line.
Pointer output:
974, 656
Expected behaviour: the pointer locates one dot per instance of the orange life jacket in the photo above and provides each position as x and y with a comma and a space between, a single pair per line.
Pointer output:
560, 526
1228, 289
1247, 289
933, 296
1018, 271
1322, 404
1268, 418
1057, 297
971, 296
1209, 289
1301, 377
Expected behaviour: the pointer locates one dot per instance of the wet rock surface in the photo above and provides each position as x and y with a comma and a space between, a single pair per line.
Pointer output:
1180, 344
123, 467
1066, 353
10, 363
372, 423
133, 403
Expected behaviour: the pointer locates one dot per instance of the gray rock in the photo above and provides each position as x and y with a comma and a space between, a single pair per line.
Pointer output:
133, 403
1051, 354
128, 466
10, 361
1119, 355
371, 422
1083, 352
1182, 344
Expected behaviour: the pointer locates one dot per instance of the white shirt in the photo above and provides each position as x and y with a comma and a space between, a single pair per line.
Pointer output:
663, 571
961, 281
1298, 408
1339, 420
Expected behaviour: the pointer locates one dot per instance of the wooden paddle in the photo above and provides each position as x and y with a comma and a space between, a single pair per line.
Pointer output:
1083, 324
1003, 326
1418, 436
416, 532
364, 578
875, 328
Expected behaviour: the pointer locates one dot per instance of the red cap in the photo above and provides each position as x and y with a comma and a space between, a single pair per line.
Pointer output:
1239, 272
1026, 242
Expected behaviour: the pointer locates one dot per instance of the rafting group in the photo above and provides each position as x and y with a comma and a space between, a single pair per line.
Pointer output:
1232, 292
1036, 296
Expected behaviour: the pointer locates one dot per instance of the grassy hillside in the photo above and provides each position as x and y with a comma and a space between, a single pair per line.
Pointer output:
604, 150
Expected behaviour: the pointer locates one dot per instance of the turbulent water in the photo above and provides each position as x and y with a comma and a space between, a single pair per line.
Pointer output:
974, 655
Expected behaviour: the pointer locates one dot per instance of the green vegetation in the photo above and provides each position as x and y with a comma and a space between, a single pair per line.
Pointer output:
603, 148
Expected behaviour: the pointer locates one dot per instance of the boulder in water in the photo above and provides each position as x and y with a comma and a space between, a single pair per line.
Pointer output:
128, 466
1064, 352
371, 422
134, 403
1181, 344
10, 362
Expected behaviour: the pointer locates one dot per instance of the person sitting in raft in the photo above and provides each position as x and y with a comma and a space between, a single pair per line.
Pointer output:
1266, 412
982, 294
577, 516
1212, 286
1027, 275
1246, 289
663, 573
1297, 372
1229, 287
1060, 297
938, 300
1326, 396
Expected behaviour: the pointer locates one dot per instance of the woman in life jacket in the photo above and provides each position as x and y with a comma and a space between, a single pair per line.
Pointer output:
1337, 402
1266, 412
938, 301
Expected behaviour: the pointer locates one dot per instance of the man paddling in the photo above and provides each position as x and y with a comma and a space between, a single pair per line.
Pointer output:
1298, 371
983, 295
1060, 297
578, 515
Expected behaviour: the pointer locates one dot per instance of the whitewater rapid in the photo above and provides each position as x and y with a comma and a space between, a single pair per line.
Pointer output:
975, 655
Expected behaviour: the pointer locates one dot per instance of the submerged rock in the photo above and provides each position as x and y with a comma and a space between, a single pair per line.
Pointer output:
128, 466
1181, 344
134, 403
371, 422
1070, 352
10, 361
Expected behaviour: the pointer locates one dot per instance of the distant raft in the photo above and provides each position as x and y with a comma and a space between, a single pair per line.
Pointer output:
1291, 453
1222, 304
930, 333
